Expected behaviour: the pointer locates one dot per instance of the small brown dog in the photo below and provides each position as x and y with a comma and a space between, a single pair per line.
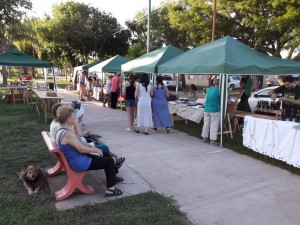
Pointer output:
32, 178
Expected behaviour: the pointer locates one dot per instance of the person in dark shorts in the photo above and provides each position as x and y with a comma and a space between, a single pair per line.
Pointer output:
129, 89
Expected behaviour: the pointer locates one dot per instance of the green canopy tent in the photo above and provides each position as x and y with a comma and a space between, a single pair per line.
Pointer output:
88, 66
228, 56
78, 69
17, 58
111, 65
148, 63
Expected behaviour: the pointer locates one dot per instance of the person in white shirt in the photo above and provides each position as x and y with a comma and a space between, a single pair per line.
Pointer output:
108, 91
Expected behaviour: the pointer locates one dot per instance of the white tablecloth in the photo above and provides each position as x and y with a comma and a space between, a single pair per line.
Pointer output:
187, 112
274, 138
96, 93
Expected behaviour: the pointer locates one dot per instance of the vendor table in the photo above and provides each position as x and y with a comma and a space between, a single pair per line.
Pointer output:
187, 112
98, 93
46, 99
275, 138
12, 90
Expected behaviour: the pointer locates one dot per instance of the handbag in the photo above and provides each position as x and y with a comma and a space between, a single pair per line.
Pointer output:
92, 138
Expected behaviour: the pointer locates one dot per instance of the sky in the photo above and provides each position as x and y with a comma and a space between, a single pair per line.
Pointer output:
122, 10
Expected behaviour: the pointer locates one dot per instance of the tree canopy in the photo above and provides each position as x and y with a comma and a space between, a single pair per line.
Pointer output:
77, 30
11, 11
269, 26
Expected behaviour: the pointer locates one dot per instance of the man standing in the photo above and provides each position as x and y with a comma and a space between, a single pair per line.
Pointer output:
115, 89
107, 91
289, 94
82, 85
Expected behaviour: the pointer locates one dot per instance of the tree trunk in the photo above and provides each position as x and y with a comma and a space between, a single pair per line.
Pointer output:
33, 72
25, 70
4, 74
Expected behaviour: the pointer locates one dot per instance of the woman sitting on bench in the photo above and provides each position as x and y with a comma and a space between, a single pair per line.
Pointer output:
81, 155
55, 124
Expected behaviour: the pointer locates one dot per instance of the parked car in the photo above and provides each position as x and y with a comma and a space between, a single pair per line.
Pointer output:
234, 82
261, 95
169, 82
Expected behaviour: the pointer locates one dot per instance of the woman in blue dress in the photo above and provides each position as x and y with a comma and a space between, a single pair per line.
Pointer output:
162, 117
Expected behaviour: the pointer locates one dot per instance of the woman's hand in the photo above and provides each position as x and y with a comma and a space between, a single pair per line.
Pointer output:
98, 151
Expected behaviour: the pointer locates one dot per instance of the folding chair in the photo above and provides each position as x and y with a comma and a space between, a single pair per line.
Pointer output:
29, 96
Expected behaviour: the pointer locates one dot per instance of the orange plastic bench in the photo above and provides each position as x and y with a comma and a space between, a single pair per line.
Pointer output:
75, 179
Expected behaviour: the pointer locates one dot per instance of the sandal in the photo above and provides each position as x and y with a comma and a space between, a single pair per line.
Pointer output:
118, 166
115, 192
119, 160
119, 179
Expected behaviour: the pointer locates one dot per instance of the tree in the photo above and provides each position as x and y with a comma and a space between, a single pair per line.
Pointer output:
11, 11
78, 30
268, 26
194, 18
274, 23
161, 31
135, 51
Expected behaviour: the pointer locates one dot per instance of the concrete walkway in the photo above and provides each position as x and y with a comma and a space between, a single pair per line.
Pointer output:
212, 185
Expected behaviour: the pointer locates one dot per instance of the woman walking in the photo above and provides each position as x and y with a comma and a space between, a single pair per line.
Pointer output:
162, 117
144, 112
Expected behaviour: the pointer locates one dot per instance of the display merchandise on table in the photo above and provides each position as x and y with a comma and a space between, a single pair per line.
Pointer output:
187, 110
272, 110
187, 102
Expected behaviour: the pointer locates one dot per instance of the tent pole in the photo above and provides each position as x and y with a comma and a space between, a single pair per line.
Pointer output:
224, 94
222, 104
54, 80
177, 82
121, 91
102, 86
46, 74
154, 75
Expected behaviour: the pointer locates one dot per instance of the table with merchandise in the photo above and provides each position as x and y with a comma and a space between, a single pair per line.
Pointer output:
187, 110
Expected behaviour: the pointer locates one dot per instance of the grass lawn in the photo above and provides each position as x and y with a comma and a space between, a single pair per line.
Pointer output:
21, 144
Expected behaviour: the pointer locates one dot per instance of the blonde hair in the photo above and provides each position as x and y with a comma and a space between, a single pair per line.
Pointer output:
63, 113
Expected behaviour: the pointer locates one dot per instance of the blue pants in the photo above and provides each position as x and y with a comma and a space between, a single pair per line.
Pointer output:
103, 147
